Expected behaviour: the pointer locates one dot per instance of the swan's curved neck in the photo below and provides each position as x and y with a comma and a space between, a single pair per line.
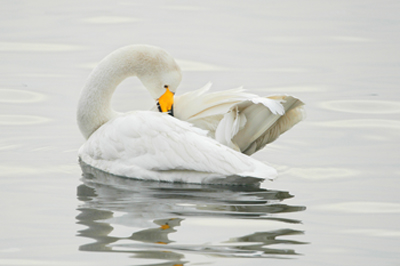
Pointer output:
94, 108
152, 65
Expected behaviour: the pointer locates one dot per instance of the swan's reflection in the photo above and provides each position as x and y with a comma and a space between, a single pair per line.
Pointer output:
154, 210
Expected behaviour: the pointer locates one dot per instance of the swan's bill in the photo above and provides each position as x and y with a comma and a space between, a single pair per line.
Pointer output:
165, 103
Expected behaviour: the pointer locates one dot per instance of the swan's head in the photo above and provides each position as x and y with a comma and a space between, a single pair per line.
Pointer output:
161, 75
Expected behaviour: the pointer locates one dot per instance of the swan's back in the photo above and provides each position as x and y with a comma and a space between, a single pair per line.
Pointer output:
155, 146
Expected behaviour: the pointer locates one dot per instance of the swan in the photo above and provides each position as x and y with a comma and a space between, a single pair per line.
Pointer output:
207, 140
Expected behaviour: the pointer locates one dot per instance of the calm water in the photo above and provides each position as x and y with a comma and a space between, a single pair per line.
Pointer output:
336, 201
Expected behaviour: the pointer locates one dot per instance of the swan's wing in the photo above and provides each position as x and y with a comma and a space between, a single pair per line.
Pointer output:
149, 145
252, 124
237, 119
205, 110
198, 104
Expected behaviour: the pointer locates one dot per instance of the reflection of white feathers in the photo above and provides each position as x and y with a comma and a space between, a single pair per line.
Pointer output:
128, 215
155, 146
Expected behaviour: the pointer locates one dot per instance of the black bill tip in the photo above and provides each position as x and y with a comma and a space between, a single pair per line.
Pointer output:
170, 112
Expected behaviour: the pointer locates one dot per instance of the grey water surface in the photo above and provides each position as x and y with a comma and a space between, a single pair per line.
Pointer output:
336, 200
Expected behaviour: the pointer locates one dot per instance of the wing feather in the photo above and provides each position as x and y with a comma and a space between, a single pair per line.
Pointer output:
237, 119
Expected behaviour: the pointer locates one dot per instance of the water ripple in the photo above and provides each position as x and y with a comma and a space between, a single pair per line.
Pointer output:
18, 120
360, 123
150, 211
37, 47
110, 20
362, 106
20, 96
362, 207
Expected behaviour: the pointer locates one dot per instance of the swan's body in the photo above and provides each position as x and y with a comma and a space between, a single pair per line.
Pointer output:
155, 146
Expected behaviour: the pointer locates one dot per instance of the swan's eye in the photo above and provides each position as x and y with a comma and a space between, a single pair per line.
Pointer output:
167, 87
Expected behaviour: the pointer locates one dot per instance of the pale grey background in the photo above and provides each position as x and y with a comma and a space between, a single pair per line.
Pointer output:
340, 57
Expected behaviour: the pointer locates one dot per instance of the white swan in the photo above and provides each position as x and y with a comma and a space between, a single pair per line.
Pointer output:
156, 146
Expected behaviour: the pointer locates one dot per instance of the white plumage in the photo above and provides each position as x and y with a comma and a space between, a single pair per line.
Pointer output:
156, 146
203, 145
243, 121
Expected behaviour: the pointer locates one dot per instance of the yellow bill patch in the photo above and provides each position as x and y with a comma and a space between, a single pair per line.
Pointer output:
166, 101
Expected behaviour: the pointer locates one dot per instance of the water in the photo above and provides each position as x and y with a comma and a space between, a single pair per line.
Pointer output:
336, 199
